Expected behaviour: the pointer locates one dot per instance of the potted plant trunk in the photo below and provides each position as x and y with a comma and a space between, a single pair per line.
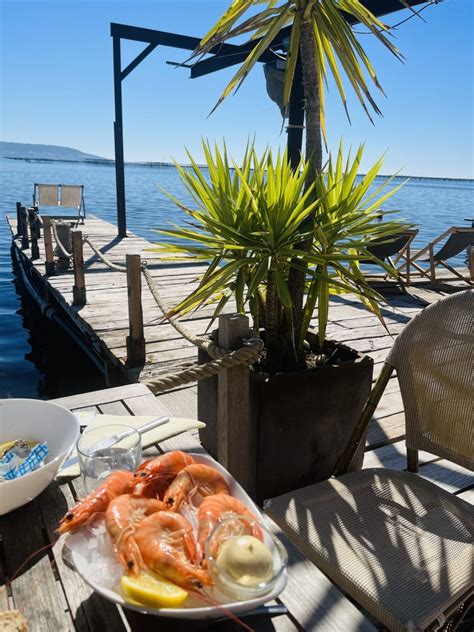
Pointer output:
248, 223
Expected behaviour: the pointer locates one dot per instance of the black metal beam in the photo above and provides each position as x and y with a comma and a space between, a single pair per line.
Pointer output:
221, 60
118, 140
138, 60
151, 36
174, 40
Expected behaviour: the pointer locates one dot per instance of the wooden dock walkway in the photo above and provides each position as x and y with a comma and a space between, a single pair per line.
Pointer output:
102, 324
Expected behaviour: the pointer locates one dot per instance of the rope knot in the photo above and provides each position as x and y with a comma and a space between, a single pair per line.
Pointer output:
253, 342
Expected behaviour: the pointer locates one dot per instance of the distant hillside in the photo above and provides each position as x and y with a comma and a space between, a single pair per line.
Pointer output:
42, 152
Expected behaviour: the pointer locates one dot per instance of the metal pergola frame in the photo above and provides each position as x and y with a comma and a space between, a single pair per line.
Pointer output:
223, 56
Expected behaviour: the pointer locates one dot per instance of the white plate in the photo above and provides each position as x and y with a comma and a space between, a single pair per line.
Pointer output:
207, 612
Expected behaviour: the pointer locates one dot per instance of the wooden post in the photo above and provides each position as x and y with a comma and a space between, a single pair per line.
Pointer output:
48, 246
408, 258
25, 242
136, 339
236, 443
432, 264
34, 230
207, 407
79, 289
19, 220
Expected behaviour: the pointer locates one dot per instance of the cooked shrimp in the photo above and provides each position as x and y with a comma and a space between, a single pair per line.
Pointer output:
167, 547
194, 479
121, 518
215, 509
153, 477
96, 502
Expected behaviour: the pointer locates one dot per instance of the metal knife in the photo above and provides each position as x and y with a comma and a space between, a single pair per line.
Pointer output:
109, 441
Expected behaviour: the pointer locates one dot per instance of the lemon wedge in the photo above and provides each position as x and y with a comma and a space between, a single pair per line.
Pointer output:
153, 591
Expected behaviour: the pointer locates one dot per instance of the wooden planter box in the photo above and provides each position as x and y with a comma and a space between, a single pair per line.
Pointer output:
301, 421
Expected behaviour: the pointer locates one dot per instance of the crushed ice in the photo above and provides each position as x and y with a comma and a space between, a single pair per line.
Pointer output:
93, 554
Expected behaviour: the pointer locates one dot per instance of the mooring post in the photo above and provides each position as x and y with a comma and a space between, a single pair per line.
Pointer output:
79, 289
25, 242
19, 220
236, 438
48, 246
136, 339
33, 221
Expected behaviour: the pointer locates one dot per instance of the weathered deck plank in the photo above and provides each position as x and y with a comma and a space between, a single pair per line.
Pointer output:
37, 589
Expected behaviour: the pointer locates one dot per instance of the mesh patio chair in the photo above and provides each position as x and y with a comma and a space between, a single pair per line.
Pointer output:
458, 240
394, 250
60, 195
401, 546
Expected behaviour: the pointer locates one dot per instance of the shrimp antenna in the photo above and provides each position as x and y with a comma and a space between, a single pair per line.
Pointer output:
226, 611
30, 557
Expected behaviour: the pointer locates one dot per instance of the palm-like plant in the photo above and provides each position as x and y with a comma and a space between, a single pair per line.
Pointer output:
322, 37
249, 222
326, 42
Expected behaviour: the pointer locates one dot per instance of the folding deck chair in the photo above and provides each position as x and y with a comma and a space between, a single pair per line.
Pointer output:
398, 544
394, 249
62, 196
459, 239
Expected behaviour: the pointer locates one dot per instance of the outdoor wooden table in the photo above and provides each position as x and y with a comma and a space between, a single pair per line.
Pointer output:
54, 598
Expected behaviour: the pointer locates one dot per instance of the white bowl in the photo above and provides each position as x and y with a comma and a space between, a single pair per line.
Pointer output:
35, 420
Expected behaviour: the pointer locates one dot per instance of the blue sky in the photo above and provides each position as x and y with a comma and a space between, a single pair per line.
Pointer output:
56, 83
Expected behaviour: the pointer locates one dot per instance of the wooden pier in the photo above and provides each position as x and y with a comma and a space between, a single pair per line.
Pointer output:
103, 324
119, 324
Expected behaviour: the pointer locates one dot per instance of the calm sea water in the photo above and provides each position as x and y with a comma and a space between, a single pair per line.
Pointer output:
30, 364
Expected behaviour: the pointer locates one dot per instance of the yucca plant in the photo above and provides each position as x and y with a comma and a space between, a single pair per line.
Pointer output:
321, 36
248, 223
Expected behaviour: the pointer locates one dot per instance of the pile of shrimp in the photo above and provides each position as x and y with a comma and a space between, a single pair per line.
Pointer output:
145, 512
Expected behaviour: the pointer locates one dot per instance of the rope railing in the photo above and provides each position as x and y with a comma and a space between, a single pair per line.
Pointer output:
205, 344
240, 357
113, 266
221, 358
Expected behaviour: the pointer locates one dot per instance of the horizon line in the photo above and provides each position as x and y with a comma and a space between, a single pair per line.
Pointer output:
166, 164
